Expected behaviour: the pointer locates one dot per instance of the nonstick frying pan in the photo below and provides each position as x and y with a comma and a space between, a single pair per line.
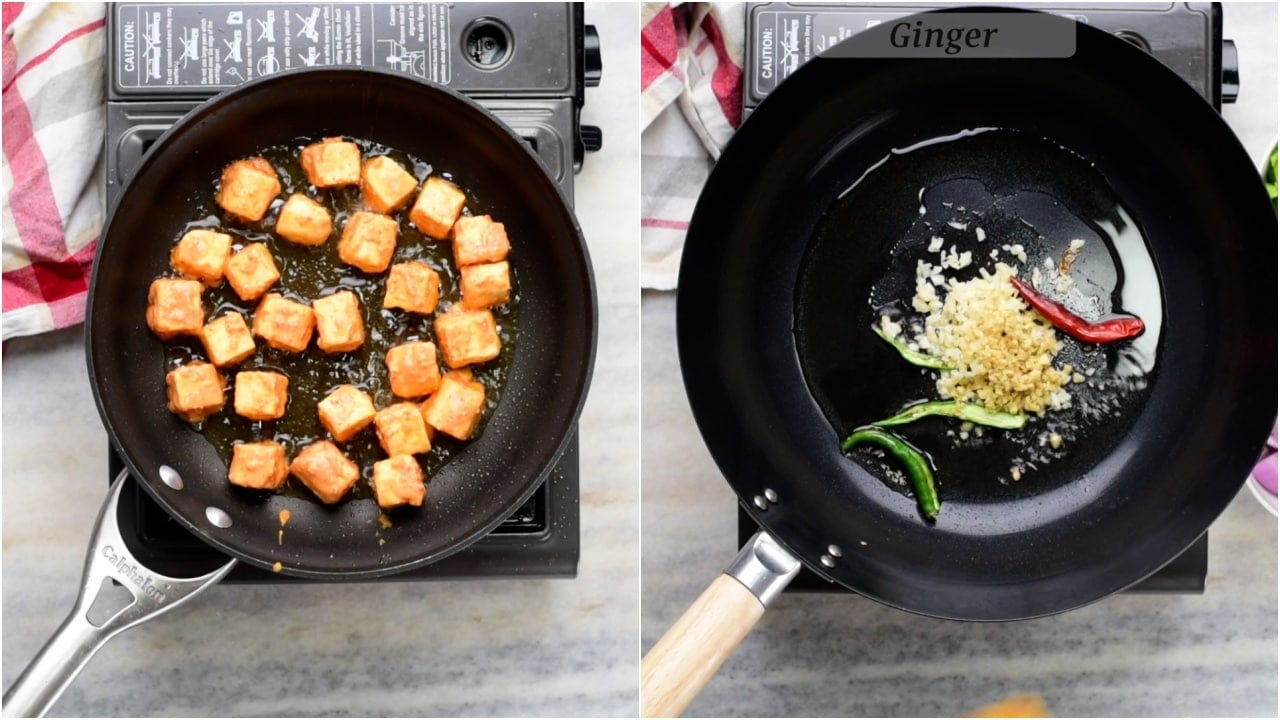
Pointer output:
485, 481
773, 323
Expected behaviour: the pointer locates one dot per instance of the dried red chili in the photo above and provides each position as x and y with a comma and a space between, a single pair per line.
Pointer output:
1110, 330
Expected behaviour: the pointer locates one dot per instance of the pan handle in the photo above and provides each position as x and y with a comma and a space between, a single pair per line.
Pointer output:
682, 662
70, 648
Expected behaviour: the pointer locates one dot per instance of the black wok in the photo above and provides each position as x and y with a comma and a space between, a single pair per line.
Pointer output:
779, 363
482, 483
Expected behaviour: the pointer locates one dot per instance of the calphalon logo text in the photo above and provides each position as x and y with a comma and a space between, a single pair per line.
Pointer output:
144, 581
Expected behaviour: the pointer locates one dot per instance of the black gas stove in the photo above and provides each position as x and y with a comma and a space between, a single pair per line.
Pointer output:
1187, 37
527, 63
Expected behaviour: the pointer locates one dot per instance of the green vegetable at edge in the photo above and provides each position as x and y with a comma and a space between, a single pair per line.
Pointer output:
919, 471
912, 356
964, 411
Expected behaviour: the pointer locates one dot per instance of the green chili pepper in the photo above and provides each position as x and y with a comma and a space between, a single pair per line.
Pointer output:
917, 464
912, 356
964, 411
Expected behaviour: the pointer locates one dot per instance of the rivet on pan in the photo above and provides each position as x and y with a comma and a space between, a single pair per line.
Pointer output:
170, 477
835, 551
218, 516
770, 495
827, 560
760, 502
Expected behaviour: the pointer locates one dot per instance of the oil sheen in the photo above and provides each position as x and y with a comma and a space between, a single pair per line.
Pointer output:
981, 191
307, 273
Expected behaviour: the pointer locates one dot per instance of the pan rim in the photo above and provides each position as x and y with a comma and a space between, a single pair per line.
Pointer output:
580, 388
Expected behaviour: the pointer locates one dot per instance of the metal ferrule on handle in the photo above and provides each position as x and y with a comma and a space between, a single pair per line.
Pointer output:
764, 567
70, 648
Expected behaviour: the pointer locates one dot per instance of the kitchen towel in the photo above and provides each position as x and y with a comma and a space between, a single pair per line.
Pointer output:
691, 103
53, 123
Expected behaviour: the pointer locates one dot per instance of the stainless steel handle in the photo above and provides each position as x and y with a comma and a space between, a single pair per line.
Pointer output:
764, 566
70, 648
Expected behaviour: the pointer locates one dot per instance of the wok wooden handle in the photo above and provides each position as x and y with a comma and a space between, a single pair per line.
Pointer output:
689, 654
680, 664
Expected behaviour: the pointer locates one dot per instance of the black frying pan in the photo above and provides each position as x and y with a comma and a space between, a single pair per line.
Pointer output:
773, 325
483, 482
548, 376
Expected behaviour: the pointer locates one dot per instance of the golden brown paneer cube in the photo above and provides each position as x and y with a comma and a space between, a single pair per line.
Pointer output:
386, 185
227, 340
283, 323
398, 481
401, 430
368, 241
174, 307
345, 412
202, 255
252, 271
196, 391
456, 407
437, 207
304, 221
339, 325
479, 240
467, 336
248, 187
258, 465
413, 369
331, 163
323, 468
486, 285
413, 286
261, 394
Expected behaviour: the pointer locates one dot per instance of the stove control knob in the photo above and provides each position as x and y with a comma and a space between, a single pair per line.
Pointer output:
1230, 72
592, 138
592, 66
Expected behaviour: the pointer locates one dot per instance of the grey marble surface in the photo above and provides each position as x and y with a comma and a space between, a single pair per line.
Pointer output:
820, 655
499, 647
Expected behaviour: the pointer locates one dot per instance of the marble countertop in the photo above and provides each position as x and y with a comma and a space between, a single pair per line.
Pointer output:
488, 648
825, 655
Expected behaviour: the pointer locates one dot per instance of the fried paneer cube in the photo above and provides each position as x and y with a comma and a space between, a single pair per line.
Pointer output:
401, 430
437, 207
252, 271
486, 285
467, 336
227, 340
385, 185
174, 307
398, 481
261, 394
331, 163
412, 286
413, 369
258, 465
456, 406
479, 240
195, 390
368, 241
339, 325
283, 323
202, 255
304, 221
323, 468
345, 412
248, 187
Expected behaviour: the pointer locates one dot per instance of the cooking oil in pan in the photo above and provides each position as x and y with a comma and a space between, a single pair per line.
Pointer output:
999, 196
307, 273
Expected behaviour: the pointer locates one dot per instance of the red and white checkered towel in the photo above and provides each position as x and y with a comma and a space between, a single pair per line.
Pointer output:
52, 180
690, 105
